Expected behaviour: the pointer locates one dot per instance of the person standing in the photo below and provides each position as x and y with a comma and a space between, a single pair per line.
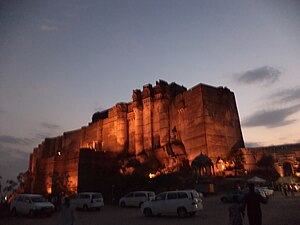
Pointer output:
66, 216
236, 212
285, 189
252, 203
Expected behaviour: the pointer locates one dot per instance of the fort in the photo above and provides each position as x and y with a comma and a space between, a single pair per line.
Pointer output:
163, 128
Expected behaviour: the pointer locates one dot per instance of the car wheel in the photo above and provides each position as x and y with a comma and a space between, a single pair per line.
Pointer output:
147, 212
14, 211
85, 208
123, 204
181, 212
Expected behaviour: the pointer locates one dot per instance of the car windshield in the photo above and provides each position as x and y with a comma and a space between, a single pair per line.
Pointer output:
38, 199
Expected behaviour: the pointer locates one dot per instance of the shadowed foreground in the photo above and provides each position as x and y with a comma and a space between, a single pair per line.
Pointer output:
279, 211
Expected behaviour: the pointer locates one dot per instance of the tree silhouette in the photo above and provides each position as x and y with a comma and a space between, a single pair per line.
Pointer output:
237, 157
24, 181
266, 162
10, 187
60, 183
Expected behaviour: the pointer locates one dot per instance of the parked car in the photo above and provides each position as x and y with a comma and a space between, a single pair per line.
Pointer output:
228, 197
296, 187
88, 200
136, 198
268, 192
31, 204
182, 203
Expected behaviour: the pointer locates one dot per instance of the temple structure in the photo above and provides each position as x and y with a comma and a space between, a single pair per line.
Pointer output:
164, 126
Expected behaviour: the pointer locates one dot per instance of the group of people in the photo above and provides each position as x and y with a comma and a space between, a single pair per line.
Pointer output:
252, 203
288, 189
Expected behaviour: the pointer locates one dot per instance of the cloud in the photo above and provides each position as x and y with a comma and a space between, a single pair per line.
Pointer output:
48, 130
264, 74
287, 95
50, 25
43, 135
46, 27
6, 139
50, 126
271, 118
66, 13
12, 162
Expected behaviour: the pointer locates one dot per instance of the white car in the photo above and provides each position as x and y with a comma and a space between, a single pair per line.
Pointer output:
31, 204
136, 198
257, 190
269, 192
182, 203
88, 200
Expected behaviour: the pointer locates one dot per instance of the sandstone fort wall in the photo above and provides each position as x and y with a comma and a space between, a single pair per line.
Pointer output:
164, 121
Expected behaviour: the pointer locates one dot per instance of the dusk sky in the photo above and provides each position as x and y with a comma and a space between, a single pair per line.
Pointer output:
61, 61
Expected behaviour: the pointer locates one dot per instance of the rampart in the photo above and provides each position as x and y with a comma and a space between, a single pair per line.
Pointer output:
166, 122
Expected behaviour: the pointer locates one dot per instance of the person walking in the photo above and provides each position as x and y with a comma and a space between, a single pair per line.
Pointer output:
285, 189
66, 216
236, 212
252, 203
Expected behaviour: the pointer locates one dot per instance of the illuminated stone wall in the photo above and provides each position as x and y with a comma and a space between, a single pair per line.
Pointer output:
282, 154
167, 122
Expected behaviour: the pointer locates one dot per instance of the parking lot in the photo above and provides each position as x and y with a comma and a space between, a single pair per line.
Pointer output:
280, 210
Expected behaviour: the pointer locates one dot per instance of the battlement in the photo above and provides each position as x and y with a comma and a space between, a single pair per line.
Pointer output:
165, 123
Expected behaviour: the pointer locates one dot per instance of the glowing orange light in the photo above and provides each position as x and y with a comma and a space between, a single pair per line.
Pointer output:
151, 175
49, 190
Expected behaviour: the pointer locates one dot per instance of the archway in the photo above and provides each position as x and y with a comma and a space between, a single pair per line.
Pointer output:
287, 169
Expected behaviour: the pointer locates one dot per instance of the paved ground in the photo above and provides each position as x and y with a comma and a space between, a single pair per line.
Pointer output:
279, 211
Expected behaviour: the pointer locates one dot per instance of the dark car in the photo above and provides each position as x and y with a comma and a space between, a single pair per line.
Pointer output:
228, 197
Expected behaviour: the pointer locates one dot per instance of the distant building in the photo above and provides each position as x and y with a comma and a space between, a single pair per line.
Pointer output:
286, 157
163, 127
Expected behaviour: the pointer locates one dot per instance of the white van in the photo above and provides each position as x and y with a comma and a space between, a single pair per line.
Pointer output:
136, 198
185, 202
88, 200
31, 204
